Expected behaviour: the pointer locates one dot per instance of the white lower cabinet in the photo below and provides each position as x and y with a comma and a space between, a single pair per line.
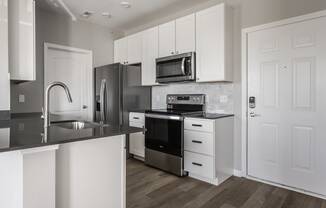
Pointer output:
137, 140
28, 178
199, 164
208, 149
200, 142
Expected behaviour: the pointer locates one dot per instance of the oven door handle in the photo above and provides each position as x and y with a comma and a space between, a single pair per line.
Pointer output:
177, 118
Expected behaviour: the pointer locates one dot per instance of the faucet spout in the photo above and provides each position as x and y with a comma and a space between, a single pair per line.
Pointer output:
46, 115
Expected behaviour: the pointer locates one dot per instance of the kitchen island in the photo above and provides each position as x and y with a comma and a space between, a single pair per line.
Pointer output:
58, 167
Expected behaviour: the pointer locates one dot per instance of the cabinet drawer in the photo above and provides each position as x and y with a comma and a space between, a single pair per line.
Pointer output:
199, 164
136, 124
199, 142
137, 117
199, 125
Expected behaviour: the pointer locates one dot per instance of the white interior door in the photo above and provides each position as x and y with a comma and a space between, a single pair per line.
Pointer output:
74, 68
287, 128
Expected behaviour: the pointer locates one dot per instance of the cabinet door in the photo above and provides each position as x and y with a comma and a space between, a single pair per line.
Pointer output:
137, 141
210, 44
167, 39
4, 80
134, 48
22, 39
185, 34
149, 55
121, 51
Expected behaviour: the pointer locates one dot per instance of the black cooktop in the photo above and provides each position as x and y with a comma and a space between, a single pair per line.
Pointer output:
174, 112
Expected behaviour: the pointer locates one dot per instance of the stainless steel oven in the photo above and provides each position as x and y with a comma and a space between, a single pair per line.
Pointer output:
164, 142
177, 68
164, 132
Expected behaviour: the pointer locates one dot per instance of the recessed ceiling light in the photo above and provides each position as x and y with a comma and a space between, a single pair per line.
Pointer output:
125, 4
87, 14
106, 14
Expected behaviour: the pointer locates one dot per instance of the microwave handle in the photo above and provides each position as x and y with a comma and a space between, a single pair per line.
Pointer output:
183, 66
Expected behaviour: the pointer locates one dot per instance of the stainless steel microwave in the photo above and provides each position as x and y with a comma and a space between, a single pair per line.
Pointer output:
177, 68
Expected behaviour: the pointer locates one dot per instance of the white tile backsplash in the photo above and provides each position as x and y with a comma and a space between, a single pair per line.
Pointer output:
219, 96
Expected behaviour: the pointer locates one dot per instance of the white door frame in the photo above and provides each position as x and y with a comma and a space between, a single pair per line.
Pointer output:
48, 46
244, 83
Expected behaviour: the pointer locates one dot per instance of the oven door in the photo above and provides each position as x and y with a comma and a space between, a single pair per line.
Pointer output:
164, 133
176, 68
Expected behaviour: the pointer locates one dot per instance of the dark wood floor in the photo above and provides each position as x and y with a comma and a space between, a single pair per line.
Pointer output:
151, 188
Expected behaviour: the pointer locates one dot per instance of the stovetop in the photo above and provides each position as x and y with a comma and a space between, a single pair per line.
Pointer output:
174, 112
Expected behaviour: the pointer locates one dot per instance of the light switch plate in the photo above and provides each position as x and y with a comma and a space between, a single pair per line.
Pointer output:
21, 98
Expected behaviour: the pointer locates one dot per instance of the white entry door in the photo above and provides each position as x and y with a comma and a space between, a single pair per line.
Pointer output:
74, 68
287, 127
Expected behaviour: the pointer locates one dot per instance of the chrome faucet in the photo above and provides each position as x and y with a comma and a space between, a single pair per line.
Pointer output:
46, 113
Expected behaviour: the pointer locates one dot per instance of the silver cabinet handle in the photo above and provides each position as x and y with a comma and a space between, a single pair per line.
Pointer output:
197, 142
197, 125
197, 164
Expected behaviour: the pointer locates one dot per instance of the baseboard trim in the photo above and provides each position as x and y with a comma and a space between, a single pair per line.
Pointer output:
287, 187
238, 173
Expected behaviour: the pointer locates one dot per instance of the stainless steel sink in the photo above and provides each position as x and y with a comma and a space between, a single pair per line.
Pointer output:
76, 125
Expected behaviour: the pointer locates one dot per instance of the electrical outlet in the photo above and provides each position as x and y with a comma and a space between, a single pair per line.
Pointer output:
21, 98
224, 99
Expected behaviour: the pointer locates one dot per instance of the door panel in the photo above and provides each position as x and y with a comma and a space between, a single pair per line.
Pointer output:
286, 130
73, 69
121, 51
134, 48
149, 56
167, 39
185, 34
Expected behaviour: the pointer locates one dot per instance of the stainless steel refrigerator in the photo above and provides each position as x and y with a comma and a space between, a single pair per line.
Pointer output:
118, 91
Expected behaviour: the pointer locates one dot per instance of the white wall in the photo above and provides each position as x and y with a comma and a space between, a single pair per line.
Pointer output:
247, 13
59, 29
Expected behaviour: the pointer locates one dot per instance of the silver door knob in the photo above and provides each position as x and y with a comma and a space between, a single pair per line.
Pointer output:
85, 106
253, 114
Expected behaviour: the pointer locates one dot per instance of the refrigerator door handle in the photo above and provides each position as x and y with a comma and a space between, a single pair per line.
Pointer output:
102, 100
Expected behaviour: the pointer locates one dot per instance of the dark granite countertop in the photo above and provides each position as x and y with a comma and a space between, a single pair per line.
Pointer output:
24, 132
137, 110
211, 116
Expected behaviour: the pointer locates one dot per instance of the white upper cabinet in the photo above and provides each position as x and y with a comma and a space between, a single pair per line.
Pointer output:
167, 39
22, 40
149, 56
121, 51
128, 50
185, 34
177, 36
134, 48
214, 44
207, 32
4, 69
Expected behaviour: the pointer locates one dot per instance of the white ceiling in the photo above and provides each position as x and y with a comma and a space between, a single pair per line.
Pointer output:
122, 19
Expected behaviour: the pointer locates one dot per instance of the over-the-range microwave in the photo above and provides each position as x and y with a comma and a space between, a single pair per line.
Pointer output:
176, 68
